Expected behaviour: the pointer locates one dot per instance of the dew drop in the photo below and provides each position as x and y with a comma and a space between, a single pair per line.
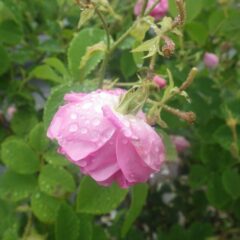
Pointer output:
95, 136
73, 116
96, 122
108, 133
98, 109
73, 128
127, 132
87, 105
126, 123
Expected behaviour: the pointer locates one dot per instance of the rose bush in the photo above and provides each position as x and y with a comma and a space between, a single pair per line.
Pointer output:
119, 120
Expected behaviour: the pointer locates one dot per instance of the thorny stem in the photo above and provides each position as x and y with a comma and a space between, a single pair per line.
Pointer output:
105, 26
180, 19
109, 53
122, 37
103, 68
181, 10
151, 67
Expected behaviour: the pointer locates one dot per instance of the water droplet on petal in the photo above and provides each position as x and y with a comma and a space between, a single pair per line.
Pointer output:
108, 134
127, 132
73, 116
83, 130
96, 122
87, 105
98, 109
126, 123
95, 136
73, 128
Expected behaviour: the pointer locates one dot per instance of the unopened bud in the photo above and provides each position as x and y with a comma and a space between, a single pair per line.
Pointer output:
211, 60
159, 81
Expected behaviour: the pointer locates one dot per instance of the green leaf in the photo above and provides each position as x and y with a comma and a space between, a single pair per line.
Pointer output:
150, 45
198, 32
58, 66
127, 65
92, 52
139, 195
85, 228
95, 199
55, 159
193, 9
85, 16
5, 12
55, 181
11, 233
10, 32
45, 72
23, 121
215, 158
216, 194
66, 226
98, 233
223, 136
38, 139
198, 176
200, 231
170, 149
15, 187
78, 47
19, 157
5, 60
215, 20
231, 182
45, 207
140, 29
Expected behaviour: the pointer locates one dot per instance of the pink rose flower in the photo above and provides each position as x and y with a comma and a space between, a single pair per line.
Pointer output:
158, 12
211, 60
106, 145
180, 142
159, 81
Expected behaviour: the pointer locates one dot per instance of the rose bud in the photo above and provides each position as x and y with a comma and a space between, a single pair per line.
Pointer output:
159, 81
211, 60
180, 142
